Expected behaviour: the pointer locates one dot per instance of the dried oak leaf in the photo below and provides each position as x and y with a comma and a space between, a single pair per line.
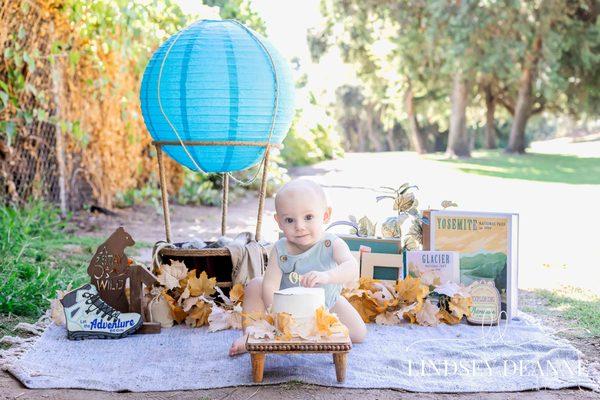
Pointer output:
176, 311
460, 306
448, 318
236, 294
366, 306
411, 289
427, 315
199, 314
202, 285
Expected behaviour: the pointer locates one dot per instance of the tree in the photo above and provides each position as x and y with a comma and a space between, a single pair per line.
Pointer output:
240, 10
553, 34
390, 45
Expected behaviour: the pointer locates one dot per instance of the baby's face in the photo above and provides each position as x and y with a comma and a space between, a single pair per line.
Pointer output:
301, 216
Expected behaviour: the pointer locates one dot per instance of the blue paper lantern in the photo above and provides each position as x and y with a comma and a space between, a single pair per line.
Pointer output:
217, 81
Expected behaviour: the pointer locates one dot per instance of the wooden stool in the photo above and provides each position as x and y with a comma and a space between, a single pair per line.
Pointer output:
259, 348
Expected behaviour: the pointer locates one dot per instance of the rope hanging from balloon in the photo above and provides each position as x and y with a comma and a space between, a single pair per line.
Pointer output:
261, 164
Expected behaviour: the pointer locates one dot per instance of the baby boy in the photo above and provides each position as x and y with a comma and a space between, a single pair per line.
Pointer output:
320, 258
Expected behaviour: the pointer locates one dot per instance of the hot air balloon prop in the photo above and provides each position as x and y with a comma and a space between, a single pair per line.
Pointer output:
216, 97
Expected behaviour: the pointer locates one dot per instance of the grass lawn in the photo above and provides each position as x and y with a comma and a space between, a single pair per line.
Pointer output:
531, 166
38, 256
573, 306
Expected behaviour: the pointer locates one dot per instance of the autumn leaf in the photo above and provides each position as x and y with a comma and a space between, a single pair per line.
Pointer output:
427, 315
184, 295
409, 312
57, 312
177, 269
176, 311
261, 329
366, 283
202, 285
284, 326
410, 290
236, 294
445, 316
188, 303
248, 318
170, 275
452, 289
387, 318
219, 319
460, 306
199, 314
366, 306
324, 321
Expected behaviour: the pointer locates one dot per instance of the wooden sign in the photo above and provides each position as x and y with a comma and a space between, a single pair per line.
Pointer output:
485, 309
108, 269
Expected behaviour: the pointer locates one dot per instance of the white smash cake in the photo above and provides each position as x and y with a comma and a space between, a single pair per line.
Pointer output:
298, 312
300, 302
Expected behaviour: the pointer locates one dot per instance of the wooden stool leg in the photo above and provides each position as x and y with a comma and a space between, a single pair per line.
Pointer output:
340, 360
258, 366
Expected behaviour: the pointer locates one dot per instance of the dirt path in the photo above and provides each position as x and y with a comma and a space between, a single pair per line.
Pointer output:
351, 185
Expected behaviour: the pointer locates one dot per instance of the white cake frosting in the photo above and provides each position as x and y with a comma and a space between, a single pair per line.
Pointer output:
300, 302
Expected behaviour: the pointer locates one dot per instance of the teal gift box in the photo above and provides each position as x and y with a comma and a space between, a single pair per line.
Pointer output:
377, 245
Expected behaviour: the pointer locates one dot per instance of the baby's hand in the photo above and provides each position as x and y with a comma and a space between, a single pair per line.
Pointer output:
314, 278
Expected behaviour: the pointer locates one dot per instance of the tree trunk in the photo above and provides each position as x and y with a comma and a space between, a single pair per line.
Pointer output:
389, 139
516, 141
458, 141
362, 142
375, 143
417, 138
490, 128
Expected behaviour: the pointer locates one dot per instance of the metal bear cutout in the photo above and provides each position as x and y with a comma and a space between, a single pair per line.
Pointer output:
108, 269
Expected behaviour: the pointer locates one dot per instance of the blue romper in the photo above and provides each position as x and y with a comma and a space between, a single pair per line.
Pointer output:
318, 258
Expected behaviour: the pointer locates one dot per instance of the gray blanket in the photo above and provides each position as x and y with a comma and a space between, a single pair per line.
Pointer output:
462, 358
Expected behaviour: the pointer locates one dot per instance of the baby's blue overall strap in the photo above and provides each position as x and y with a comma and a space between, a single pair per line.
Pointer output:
318, 258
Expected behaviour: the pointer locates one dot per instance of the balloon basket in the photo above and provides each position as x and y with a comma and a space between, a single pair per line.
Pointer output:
215, 261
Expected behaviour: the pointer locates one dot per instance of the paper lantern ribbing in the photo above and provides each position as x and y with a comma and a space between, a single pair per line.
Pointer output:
217, 81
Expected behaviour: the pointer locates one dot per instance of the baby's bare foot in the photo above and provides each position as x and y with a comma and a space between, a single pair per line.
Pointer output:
238, 346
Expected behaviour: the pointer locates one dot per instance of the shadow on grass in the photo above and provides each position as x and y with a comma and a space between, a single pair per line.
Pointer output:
531, 166
575, 305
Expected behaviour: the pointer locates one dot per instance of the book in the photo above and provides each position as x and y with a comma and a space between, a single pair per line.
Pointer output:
434, 268
488, 247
